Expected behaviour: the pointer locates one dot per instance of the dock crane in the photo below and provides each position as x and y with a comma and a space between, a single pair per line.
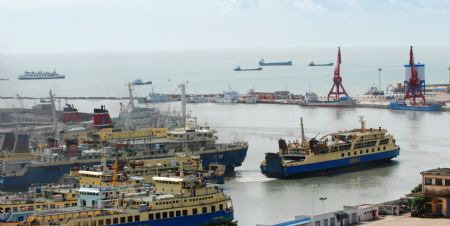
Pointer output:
413, 87
337, 80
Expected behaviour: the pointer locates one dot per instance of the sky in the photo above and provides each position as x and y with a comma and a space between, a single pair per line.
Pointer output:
48, 26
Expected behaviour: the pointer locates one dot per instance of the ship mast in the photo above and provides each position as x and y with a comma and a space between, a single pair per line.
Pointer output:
303, 132
183, 103
363, 123
130, 91
54, 115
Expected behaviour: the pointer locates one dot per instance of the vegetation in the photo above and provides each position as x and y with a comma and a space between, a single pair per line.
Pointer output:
418, 204
417, 189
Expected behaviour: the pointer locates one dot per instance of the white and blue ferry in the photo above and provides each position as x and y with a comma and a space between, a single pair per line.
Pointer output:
332, 151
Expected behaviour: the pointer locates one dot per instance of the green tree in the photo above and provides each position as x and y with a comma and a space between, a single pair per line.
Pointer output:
418, 203
417, 189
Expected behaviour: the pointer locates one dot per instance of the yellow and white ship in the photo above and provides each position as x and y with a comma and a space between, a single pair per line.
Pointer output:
340, 149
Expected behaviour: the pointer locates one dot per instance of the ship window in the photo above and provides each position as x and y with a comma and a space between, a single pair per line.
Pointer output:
108, 221
221, 207
354, 153
204, 210
360, 151
122, 220
378, 149
100, 223
213, 208
137, 218
178, 213
171, 214
194, 211
348, 154
164, 215
342, 155
438, 181
367, 150
185, 212
130, 219
428, 181
150, 216
384, 148
158, 216
115, 220
373, 150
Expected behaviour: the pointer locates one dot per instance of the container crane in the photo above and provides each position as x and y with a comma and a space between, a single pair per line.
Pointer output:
337, 80
413, 87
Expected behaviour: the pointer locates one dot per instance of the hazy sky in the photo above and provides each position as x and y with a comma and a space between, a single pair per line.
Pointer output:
141, 25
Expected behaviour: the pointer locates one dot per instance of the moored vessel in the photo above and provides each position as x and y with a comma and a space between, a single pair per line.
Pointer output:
332, 151
27, 75
283, 63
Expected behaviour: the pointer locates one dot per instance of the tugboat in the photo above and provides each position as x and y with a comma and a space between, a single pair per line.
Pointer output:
332, 151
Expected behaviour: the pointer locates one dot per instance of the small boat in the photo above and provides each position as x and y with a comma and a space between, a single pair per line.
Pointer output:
373, 90
312, 64
285, 63
400, 104
247, 69
4, 79
312, 100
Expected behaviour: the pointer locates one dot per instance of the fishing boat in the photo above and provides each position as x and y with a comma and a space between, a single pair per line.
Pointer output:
336, 150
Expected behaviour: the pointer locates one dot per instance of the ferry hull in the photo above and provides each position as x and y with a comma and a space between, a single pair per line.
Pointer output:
230, 159
207, 219
274, 168
51, 174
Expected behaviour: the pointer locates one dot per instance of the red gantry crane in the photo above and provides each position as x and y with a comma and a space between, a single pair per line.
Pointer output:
413, 88
337, 80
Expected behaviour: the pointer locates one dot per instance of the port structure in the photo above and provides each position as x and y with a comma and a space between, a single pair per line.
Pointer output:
337, 80
413, 84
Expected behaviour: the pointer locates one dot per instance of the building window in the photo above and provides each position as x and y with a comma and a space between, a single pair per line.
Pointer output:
447, 182
428, 181
438, 181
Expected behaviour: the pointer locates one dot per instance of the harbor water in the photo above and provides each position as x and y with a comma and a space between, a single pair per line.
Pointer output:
422, 136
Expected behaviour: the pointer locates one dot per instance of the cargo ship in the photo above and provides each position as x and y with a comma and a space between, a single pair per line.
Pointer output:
40, 75
312, 64
332, 151
400, 104
183, 200
247, 69
285, 63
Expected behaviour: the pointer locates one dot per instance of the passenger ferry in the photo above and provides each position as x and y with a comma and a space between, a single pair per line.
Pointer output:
340, 149
40, 75
172, 201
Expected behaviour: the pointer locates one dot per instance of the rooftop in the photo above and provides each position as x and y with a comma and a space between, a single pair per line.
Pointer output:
438, 171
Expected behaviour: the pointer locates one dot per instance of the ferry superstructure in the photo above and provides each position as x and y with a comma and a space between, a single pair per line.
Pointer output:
40, 75
335, 150
172, 201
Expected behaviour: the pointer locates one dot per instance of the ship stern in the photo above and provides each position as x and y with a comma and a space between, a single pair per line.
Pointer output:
273, 167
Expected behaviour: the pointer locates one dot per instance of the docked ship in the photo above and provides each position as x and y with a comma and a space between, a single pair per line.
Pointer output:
332, 151
247, 69
228, 97
312, 64
40, 75
195, 99
285, 63
312, 100
401, 104
183, 200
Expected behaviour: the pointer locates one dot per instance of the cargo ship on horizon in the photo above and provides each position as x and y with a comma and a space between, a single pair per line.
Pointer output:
40, 75
285, 63
312, 64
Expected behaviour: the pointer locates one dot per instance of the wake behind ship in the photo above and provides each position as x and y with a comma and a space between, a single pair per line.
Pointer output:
341, 149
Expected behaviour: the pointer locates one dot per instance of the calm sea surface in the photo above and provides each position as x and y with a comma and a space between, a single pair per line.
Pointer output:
422, 136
